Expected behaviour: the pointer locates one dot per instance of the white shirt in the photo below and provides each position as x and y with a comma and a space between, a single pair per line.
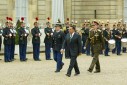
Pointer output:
71, 35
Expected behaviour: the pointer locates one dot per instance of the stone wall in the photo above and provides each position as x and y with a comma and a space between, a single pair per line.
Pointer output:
74, 9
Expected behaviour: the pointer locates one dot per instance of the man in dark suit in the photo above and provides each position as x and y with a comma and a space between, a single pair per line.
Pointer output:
7, 42
73, 42
36, 41
48, 41
23, 42
58, 39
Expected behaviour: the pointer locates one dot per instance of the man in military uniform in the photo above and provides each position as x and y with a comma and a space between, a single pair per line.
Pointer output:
113, 32
124, 35
106, 35
7, 42
22, 42
48, 41
36, 41
58, 39
97, 43
86, 36
13, 31
1, 31
66, 31
118, 36
83, 38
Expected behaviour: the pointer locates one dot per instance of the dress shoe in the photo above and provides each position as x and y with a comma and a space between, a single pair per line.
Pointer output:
49, 59
68, 75
119, 54
76, 74
97, 71
107, 55
62, 66
89, 70
57, 71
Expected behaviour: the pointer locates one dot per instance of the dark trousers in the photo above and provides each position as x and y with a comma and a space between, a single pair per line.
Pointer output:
47, 50
22, 51
124, 49
67, 56
114, 50
96, 62
7, 53
58, 58
118, 47
0, 46
12, 51
106, 49
88, 49
73, 64
36, 51
83, 50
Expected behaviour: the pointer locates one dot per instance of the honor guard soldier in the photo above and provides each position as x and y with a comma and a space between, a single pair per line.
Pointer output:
48, 40
113, 32
7, 41
97, 43
86, 36
58, 39
1, 32
13, 31
107, 36
23, 34
124, 35
36, 41
66, 31
118, 36
83, 38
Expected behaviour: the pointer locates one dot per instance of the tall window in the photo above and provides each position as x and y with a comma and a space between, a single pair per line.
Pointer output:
22, 9
125, 10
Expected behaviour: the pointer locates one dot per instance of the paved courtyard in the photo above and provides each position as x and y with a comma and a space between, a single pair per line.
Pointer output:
113, 72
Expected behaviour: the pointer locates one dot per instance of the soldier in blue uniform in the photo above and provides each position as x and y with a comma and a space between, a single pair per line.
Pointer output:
86, 36
124, 35
48, 41
83, 38
36, 41
1, 32
118, 36
66, 31
13, 31
58, 39
7, 42
106, 35
113, 32
22, 42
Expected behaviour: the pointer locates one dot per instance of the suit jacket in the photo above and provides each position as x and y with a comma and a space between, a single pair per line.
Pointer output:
7, 39
35, 39
74, 44
22, 38
58, 39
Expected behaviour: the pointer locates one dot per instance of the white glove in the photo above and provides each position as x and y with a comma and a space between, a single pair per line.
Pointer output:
84, 47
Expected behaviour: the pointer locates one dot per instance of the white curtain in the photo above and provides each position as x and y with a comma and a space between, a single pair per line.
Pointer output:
57, 11
125, 10
21, 7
